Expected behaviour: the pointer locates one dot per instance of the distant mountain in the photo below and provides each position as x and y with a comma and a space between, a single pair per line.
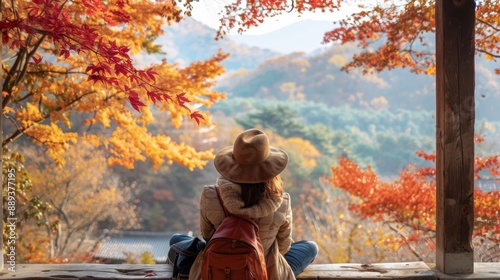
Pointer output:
318, 78
190, 40
264, 72
304, 36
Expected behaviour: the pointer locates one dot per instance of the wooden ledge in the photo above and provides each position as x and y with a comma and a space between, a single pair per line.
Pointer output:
402, 270
482, 271
89, 271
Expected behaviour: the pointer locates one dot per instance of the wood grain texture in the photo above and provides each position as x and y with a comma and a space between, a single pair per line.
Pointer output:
340, 271
455, 117
90, 271
408, 270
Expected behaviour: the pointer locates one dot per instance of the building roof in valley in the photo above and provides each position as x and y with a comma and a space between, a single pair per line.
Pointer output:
115, 245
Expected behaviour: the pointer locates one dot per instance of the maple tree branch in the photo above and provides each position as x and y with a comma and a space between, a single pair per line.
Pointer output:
49, 233
84, 237
92, 221
67, 222
488, 24
7, 85
36, 46
65, 199
15, 12
25, 97
487, 178
488, 53
14, 135
92, 123
36, 30
20, 131
57, 72
130, 71
405, 238
20, 67
13, 121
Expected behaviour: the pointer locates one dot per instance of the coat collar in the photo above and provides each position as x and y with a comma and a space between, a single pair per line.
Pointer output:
231, 195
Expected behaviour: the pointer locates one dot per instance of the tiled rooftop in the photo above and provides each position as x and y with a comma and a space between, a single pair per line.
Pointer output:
116, 244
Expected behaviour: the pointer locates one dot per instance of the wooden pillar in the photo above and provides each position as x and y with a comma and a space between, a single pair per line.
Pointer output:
455, 135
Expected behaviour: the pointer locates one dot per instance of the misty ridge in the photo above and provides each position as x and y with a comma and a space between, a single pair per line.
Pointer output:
265, 74
260, 72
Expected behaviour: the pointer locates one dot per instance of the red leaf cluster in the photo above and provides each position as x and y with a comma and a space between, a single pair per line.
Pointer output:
410, 200
53, 19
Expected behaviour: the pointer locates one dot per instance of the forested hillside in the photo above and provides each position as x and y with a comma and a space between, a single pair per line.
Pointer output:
318, 78
313, 110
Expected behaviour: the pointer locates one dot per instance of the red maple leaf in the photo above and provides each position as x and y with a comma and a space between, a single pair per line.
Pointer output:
181, 99
94, 77
197, 116
136, 103
154, 96
37, 59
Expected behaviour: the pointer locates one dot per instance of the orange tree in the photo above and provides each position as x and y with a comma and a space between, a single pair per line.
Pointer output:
63, 59
392, 34
342, 236
84, 197
407, 205
71, 73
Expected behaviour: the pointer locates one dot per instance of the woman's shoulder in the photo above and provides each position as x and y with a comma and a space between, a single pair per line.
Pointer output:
285, 204
209, 191
286, 197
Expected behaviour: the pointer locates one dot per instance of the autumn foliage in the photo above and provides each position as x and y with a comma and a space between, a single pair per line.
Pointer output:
406, 30
408, 204
74, 64
393, 34
78, 80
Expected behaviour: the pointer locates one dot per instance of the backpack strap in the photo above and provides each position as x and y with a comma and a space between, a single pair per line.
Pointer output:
226, 213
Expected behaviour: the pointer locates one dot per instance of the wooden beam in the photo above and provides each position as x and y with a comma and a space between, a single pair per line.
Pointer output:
455, 117
337, 271
350, 271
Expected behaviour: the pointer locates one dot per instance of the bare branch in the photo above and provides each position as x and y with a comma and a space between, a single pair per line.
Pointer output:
488, 24
488, 53
405, 238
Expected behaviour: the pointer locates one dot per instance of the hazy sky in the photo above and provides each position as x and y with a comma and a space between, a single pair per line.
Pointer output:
207, 11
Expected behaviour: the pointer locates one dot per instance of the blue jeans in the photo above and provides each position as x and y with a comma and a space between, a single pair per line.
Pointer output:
177, 237
300, 255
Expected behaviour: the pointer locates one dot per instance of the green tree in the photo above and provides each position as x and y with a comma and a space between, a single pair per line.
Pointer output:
280, 119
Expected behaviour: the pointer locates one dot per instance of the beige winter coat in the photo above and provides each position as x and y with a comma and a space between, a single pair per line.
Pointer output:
274, 217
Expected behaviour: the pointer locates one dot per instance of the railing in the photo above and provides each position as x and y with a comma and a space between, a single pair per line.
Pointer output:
401, 270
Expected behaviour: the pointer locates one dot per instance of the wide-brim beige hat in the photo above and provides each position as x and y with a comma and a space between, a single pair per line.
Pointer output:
251, 159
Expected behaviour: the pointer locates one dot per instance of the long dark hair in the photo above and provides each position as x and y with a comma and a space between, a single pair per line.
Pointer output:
252, 193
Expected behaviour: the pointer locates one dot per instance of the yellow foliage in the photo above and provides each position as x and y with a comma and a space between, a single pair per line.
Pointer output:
53, 96
81, 193
338, 60
305, 152
7, 110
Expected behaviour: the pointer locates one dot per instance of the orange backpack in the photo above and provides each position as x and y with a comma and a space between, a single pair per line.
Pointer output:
235, 250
